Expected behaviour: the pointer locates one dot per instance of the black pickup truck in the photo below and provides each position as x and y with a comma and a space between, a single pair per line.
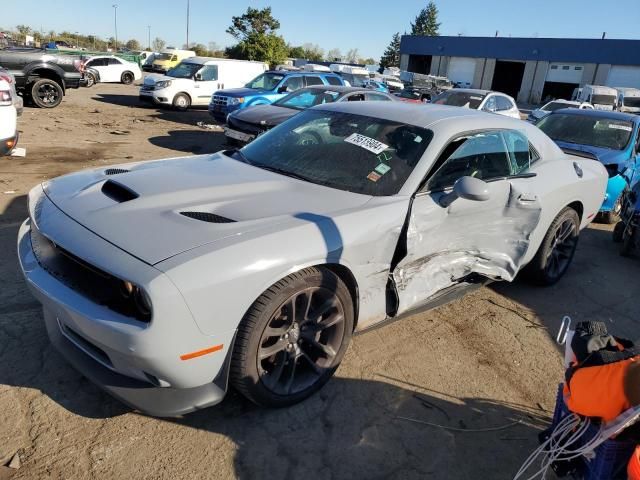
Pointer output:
40, 76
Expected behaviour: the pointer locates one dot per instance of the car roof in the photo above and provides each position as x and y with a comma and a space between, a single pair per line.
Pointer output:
599, 114
472, 90
340, 88
300, 72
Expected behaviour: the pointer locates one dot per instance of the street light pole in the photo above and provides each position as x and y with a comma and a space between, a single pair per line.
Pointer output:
187, 24
149, 37
115, 23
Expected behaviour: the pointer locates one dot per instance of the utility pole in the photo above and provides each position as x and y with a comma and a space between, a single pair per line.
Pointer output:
187, 24
115, 23
77, 44
149, 37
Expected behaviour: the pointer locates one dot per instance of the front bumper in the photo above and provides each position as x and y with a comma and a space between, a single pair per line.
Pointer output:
238, 135
220, 112
154, 96
139, 364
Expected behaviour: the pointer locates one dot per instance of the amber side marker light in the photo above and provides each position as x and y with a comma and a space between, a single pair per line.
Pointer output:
10, 143
200, 353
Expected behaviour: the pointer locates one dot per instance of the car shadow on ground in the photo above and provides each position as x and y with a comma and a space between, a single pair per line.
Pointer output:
191, 141
600, 285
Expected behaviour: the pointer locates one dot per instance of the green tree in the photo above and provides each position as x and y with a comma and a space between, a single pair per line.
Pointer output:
391, 56
158, 44
200, 49
426, 23
133, 44
296, 52
367, 61
257, 40
253, 22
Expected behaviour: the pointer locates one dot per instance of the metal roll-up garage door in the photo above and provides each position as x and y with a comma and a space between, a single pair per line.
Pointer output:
565, 73
461, 70
624, 76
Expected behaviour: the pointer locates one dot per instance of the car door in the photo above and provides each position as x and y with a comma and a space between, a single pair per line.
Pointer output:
114, 69
100, 64
451, 242
291, 84
205, 84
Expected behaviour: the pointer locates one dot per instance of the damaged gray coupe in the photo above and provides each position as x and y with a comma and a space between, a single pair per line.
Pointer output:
166, 281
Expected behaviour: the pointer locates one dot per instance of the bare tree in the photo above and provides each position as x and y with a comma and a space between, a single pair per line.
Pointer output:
334, 54
158, 44
352, 55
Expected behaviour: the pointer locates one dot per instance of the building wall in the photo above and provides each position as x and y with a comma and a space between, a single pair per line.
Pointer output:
404, 61
602, 73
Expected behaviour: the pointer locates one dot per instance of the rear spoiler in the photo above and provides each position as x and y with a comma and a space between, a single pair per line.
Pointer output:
579, 153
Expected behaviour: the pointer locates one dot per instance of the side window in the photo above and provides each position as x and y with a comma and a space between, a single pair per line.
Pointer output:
98, 62
481, 155
377, 97
174, 58
293, 83
490, 105
113, 61
503, 103
521, 154
356, 97
333, 80
209, 73
313, 80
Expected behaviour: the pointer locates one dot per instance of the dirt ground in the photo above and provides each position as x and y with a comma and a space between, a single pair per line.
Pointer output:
486, 361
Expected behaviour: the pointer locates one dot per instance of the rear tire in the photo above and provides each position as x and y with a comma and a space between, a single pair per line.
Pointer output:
556, 250
46, 93
618, 232
627, 242
292, 339
127, 78
181, 102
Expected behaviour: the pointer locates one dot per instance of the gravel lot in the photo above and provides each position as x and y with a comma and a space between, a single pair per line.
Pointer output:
488, 360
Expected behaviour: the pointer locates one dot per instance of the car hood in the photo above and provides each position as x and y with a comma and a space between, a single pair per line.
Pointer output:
152, 78
269, 115
140, 207
241, 92
605, 155
539, 113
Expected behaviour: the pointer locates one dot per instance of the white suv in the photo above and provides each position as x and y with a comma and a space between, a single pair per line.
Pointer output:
8, 118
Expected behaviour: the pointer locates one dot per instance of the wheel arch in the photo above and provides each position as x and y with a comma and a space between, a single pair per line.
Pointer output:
44, 72
578, 207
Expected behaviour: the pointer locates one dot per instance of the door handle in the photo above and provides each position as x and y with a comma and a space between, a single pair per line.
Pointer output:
578, 169
527, 198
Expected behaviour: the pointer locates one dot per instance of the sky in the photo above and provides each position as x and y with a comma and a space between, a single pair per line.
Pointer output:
365, 25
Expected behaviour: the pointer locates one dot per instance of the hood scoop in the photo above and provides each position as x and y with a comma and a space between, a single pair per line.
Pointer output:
207, 217
115, 171
118, 192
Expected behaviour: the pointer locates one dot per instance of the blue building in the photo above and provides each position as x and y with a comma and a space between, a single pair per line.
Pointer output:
529, 69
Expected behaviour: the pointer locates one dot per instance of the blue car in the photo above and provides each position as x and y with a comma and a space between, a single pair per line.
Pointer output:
612, 137
377, 86
265, 89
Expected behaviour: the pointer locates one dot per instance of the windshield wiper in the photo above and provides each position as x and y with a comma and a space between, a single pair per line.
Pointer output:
282, 171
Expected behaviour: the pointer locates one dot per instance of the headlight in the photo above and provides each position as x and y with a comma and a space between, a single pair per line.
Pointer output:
235, 101
163, 84
136, 299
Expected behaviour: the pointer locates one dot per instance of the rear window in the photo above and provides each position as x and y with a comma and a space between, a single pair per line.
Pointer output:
553, 106
459, 99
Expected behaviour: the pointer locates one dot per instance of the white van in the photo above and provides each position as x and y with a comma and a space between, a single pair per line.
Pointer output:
356, 76
195, 79
628, 100
602, 98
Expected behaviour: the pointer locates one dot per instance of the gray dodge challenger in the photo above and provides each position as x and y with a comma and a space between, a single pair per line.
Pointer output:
166, 281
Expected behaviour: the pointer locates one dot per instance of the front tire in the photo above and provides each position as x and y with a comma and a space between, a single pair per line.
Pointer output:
91, 80
628, 241
46, 93
618, 232
181, 102
557, 249
293, 338
127, 78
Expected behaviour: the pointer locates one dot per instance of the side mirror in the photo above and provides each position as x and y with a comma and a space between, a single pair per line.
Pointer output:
469, 188
488, 108
198, 77
284, 89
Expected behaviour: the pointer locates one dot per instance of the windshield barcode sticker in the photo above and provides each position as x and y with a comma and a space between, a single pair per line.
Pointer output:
368, 143
626, 128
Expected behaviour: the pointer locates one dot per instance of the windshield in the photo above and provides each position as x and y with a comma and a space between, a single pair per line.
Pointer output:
584, 130
265, 81
304, 98
164, 56
356, 153
633, 102
603, 99
184, 70
459, 99
553, 106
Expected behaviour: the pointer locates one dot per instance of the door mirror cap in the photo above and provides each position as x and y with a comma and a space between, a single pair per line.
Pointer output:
198, 76
283, 89
469, 188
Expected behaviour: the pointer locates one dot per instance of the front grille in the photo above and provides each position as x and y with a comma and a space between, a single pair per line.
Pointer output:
89, 281
148, 88
220, 100
207, 217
